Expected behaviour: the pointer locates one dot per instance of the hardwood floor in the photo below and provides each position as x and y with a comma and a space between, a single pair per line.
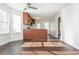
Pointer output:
11, 48
16, 48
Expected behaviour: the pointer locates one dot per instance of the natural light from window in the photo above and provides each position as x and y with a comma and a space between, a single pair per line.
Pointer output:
46, 26
38, 26
16, 23
4, 22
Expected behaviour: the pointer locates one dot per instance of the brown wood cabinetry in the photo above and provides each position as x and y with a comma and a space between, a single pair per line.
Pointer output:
26, 18
35, 34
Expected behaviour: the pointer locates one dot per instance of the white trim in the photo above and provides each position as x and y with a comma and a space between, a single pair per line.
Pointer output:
3, 43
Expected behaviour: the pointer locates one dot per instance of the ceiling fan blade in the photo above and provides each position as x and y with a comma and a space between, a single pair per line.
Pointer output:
24, 8
33, 7
29, 7
28, 4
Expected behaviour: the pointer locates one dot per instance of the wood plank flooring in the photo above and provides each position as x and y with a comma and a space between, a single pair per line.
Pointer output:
43, 44
48, 48
38, 48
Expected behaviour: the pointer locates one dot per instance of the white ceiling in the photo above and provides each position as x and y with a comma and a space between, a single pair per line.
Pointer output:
44, 9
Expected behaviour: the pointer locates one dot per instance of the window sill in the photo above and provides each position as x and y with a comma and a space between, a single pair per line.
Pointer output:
5, 34
17, 32
9, 33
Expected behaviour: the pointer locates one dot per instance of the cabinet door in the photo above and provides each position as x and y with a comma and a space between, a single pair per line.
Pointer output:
25, 18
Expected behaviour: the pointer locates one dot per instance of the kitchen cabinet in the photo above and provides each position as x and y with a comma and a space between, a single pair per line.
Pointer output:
35, 34
26, 18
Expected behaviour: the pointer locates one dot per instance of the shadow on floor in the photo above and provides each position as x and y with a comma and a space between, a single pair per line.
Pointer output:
52, 37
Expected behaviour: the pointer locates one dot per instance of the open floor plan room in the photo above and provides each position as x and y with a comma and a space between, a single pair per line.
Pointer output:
39, 28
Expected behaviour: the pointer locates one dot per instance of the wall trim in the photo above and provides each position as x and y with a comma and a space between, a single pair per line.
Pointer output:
9, 42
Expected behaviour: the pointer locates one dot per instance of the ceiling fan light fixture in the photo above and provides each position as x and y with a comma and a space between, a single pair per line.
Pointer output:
37, 18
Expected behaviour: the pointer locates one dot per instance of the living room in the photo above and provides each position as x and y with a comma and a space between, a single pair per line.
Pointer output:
40, 28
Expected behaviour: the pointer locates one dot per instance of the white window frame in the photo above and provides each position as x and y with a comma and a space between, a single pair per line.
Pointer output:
15, 18
38, 26
4, 20
46, 26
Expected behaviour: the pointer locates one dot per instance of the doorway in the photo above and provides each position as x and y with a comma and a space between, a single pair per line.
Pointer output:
59, 29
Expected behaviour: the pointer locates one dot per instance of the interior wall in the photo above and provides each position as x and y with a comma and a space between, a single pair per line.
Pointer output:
53, 29
76, 25
70, 25
5, 38
68, 17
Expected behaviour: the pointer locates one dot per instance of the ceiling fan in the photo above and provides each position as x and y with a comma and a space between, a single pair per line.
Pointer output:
28, 5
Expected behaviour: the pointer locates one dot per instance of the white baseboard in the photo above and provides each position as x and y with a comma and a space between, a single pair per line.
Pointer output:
3, 43
70, 44
15, 40
9, 42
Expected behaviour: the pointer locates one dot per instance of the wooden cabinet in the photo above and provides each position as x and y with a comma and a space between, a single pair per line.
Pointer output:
26, 18
35, 34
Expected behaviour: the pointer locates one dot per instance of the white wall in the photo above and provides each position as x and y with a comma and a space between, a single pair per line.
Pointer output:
54, 26
70, 25
68, 17
5, 38
76, 25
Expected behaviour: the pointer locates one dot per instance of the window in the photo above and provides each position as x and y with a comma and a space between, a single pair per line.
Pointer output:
38, 26
46, 26
4, 22
16, 23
